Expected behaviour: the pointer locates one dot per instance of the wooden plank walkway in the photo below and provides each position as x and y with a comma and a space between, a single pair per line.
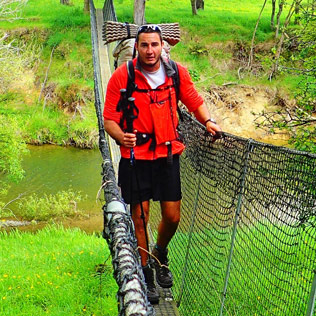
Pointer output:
166, 306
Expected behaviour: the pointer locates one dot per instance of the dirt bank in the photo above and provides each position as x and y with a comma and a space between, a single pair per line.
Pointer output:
233, 107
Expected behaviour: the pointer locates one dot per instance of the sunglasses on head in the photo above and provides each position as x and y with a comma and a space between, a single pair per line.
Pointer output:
144, 28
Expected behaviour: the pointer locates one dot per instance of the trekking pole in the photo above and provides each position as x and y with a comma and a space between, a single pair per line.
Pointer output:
129, 123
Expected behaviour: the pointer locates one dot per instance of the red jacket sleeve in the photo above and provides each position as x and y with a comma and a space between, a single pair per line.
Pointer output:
117, 81
188, 94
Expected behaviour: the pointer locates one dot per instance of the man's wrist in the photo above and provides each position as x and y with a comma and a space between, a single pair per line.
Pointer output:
210, 120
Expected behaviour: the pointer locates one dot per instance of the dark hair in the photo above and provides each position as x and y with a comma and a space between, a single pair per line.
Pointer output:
149, 28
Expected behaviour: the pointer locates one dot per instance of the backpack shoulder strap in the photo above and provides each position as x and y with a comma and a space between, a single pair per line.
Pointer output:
130, 87
175, 77
176, 82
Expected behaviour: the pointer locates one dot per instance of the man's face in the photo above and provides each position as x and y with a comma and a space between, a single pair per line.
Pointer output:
149, 49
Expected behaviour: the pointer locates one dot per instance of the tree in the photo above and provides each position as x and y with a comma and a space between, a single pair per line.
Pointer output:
10, 55
193, 6
139, 12
254, 35
281, 5
273, 15
279, 46
197, 4
11, 9
86, 7
200, 4
12, 149
299, 120
12, 146
66, 2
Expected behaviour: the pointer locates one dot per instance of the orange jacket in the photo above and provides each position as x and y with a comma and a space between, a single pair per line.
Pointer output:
154, 107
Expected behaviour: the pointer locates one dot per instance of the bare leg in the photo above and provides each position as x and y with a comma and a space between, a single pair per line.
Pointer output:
170, 212
139, 228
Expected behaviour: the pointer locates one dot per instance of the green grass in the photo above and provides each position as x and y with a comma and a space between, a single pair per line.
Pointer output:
51, 126
220, 28
219, 21
55, 272
44, 26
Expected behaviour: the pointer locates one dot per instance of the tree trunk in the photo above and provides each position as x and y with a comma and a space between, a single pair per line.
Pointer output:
254, 35
193, 5
64, 2
273, 15
139, 12
86, 7
280, 44
281, 5
297, 11
200, 4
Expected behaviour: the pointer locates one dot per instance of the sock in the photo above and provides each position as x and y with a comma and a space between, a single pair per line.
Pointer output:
160, 249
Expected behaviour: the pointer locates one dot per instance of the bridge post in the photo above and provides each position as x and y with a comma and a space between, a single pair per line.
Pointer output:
238, 209
312, 298
189, 241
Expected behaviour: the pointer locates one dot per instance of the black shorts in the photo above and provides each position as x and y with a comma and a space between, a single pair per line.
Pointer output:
150, 179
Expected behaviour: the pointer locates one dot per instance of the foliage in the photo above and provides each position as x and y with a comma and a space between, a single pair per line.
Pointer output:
51, 126
198, 49
15, 57
68, 91
12, 148
10, 10
62, 204
83, 135
299, 58
12, 63
44, 127
55, 272
194, 75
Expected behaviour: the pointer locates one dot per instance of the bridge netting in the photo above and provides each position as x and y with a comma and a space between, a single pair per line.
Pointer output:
246, 244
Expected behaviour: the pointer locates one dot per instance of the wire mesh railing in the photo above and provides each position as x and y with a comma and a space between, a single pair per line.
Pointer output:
246, 244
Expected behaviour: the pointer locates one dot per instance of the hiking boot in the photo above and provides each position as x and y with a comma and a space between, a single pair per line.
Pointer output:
152, 292
163, 274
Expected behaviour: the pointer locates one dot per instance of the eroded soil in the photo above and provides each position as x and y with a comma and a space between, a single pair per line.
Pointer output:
234, 106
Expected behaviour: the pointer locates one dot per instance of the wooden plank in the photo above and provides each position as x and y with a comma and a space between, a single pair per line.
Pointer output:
103, 52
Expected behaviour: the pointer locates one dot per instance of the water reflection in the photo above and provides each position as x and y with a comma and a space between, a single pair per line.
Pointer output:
49, 169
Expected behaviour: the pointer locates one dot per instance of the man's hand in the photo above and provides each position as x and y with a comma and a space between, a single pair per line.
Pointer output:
212, 127
114, 130
128, 140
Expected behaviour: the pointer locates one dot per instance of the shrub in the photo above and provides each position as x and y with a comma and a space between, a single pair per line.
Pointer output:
62, 204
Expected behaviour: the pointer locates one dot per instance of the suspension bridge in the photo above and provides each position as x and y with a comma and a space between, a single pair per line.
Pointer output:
246, 244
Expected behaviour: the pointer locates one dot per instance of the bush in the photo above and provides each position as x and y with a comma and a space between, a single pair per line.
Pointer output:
12, 149
62, 204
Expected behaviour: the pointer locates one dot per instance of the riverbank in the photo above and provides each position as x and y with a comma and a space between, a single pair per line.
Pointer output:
48, 86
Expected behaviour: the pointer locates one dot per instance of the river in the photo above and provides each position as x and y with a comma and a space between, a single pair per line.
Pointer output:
49, 169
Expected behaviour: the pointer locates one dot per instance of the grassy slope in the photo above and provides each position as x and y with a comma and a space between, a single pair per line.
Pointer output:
53, 272
220, 30
46, 25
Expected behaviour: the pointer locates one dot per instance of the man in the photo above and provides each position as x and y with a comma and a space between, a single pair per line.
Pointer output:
149, 167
